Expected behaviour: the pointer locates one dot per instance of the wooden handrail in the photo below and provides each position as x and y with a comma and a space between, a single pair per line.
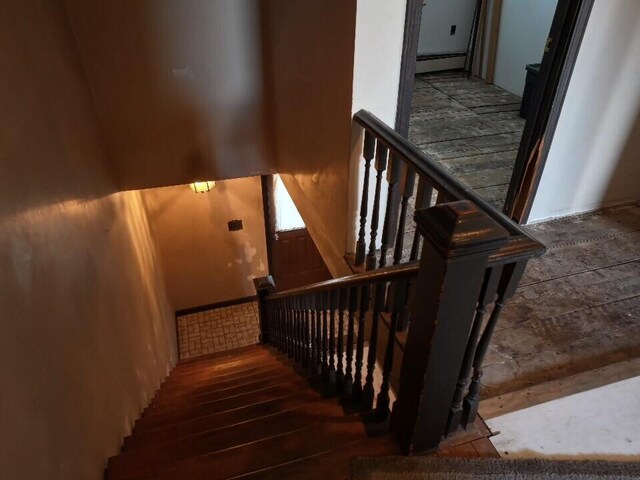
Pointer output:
404, 270
521, 245
472, 257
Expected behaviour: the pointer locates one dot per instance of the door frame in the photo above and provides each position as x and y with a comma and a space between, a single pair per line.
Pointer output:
566, 34
567, 31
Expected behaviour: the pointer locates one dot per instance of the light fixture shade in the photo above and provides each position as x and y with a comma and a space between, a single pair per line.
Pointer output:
202, 187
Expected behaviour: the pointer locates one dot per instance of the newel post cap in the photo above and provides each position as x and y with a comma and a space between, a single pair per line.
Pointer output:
460, 228
264, 284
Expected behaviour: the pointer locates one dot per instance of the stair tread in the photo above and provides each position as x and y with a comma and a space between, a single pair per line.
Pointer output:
161, 455
265, 453
179, 414
227, 354
236, 368
213, 379
216, 394
202, 389
229, 399
334, 465
189, 427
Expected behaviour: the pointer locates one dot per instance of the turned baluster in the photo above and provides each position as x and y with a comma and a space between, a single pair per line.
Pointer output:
362, 312
292, 330
507, 286
367, 153
306, 353
407, 193
391, 213
325, 336
333, 304
313, 360
459, 240
289, 314
318, 310
398, 296
423, 200
381, 166
368, 392
342, 306
347, 386
282, 325
487, 296
297, 328
281, 318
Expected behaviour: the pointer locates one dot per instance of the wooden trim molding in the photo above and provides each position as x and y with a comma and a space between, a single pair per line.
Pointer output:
213, 306
413, 16
496, 14
567, 32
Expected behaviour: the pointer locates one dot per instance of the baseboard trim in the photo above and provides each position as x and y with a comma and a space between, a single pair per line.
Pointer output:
213, 306
438, 63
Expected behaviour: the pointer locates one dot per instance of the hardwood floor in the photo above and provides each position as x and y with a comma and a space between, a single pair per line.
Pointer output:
471, 128
574, 323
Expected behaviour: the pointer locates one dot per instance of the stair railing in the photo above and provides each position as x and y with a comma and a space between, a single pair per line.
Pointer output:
415, 328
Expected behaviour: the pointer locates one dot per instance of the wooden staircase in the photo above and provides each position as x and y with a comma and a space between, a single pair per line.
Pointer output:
245, 413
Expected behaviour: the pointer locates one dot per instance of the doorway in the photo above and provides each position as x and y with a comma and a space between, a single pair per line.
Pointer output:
294, 259
483, 82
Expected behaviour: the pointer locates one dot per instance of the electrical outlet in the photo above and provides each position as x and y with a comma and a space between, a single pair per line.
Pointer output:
453, 29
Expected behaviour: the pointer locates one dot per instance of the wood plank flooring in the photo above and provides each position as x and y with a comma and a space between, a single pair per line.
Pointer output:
471, 128
575, 321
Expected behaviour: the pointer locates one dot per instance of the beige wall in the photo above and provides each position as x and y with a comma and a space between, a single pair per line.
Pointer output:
203, 261
308, 51
87, 332
178, 86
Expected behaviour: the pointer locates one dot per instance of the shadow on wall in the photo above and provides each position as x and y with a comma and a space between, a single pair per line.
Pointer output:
177, 85
625, 181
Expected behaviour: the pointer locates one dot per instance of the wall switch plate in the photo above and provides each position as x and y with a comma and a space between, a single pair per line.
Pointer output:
235, 225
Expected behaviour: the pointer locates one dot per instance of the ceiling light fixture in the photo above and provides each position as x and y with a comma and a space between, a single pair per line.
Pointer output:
202, 187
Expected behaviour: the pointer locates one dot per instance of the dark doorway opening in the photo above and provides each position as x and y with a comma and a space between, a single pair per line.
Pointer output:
294, 259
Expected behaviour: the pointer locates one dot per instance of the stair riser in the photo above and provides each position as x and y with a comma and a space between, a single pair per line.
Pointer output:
220, 420
221, 372
185, 402
149, 459
181, 414
208, 380
266, 453
187, 392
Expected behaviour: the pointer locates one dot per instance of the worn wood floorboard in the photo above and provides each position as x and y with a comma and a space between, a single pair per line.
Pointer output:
455, 119
577, 309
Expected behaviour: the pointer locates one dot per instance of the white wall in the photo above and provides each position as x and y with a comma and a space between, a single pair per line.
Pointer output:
378, 42
594, 156
524, 28
437, 18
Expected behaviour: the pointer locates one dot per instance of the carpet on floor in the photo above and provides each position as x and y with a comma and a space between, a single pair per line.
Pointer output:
433, 468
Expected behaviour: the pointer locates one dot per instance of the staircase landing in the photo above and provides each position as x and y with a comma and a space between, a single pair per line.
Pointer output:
250, 413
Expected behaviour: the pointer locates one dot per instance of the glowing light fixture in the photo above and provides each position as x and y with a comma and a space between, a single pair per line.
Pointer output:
202, 187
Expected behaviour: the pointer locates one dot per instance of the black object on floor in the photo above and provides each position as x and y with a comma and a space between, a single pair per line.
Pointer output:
533, 72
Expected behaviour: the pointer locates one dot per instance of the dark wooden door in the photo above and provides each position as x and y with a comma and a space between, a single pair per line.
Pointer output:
296, 261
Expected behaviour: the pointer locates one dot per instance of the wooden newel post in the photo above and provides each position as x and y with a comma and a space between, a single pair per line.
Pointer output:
458, 241
264, 286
